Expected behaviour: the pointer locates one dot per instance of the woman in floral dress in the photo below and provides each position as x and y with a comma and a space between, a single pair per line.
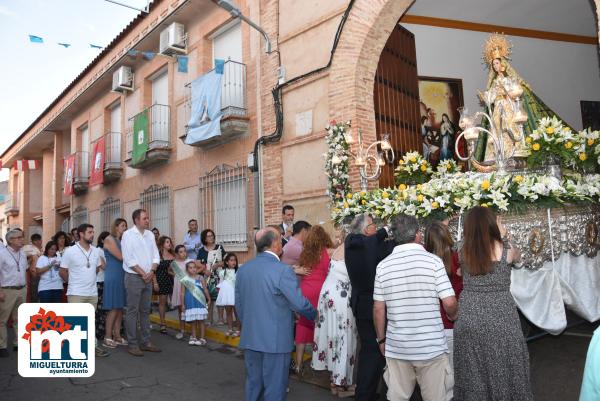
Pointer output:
335, 331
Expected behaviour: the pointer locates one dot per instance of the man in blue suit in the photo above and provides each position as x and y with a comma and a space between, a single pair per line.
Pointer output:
266, 295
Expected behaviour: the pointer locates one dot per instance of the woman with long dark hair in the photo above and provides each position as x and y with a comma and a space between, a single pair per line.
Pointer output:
212, 254
315, 258
491, 361
100, 312
163, 279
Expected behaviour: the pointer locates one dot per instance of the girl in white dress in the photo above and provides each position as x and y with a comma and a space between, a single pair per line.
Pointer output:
226, 297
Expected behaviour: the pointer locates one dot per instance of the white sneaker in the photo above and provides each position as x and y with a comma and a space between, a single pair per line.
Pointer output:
179, 335
192, 341
198, 342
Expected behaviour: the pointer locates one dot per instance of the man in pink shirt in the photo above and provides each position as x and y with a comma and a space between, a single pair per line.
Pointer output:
293, 248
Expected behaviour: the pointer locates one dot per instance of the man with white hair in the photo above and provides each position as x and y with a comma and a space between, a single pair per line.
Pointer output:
13, 285
365, 247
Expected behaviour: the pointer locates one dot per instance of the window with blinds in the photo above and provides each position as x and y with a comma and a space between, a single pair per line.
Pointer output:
156, 200
223, 205
110, 210
79, 216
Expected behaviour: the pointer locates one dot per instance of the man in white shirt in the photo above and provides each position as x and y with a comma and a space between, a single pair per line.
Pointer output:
13, 289
140, 261
408, 285
78, 268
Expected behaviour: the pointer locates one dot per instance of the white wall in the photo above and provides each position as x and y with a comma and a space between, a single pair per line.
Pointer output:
560, 73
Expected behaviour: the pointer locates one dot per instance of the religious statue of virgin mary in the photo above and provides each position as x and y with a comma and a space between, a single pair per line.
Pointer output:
496, 54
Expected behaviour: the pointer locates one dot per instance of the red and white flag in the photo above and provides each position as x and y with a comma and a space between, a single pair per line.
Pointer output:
25, 165
97, 175
69, 165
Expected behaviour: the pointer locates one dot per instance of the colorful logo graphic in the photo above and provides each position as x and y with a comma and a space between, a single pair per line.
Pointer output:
56, 340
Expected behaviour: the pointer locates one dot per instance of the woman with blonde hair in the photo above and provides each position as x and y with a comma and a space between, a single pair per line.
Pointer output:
315, 261
114, 285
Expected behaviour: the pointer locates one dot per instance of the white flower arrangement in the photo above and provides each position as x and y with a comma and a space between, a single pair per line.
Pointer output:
336, 162
446, 166
455, 193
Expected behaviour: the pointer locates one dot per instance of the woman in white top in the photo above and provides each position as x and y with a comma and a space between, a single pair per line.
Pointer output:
50, 288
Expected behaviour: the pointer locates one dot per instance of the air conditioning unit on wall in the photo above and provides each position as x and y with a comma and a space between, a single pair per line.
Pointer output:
173, 40
122, 79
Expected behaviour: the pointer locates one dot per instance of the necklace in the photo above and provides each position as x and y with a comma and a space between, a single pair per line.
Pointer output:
87, 258
17, 260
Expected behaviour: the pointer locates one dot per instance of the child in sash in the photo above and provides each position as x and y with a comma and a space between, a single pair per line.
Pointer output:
195, 300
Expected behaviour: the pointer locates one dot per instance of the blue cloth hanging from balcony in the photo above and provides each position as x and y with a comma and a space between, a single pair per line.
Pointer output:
205, 119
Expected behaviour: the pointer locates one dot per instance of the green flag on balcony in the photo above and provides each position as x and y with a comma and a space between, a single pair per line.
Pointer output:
140, 138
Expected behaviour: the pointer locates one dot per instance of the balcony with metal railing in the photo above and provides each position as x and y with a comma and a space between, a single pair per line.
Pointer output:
11, 207
148, 137
113, 166
81, 172
234, 114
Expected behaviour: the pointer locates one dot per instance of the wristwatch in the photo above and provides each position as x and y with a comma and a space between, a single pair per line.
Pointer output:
380, 341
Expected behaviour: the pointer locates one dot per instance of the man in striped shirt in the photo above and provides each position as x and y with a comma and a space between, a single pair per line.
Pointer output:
408, 284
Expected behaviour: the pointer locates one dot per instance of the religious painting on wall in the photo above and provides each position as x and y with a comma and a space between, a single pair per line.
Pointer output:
440, 99
590, 114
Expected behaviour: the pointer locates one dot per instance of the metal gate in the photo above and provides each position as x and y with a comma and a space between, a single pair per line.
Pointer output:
396, 97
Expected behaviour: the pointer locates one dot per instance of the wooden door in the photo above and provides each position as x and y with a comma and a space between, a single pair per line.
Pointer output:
396, 98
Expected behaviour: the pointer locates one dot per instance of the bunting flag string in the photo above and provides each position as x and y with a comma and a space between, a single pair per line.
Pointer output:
182, 61
39, 39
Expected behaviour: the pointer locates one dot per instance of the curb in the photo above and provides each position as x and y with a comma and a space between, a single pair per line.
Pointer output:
210, 333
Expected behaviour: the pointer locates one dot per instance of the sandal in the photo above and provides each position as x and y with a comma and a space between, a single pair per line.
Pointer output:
163, 328
230, 333
121, 341
109, 343
333, 388
236, 333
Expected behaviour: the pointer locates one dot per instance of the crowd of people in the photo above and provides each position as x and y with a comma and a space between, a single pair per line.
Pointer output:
381, 309
118, 277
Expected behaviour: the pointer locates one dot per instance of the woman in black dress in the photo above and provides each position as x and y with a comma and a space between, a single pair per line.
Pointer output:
163, 280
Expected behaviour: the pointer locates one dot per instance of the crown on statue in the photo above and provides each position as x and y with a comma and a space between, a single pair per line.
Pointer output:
496, 46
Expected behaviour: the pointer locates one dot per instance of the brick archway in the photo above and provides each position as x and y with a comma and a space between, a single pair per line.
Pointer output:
352, 74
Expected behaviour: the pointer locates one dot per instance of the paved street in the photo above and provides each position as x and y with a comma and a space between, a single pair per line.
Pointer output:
216, 372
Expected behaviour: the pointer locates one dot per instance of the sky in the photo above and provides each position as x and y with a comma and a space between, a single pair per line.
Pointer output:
32, 75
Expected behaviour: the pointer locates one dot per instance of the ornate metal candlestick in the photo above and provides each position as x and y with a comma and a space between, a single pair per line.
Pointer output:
505, 124
368, 160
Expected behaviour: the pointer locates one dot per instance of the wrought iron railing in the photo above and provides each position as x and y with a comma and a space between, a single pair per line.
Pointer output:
112, 150
81, 172
233, 92
158, 116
